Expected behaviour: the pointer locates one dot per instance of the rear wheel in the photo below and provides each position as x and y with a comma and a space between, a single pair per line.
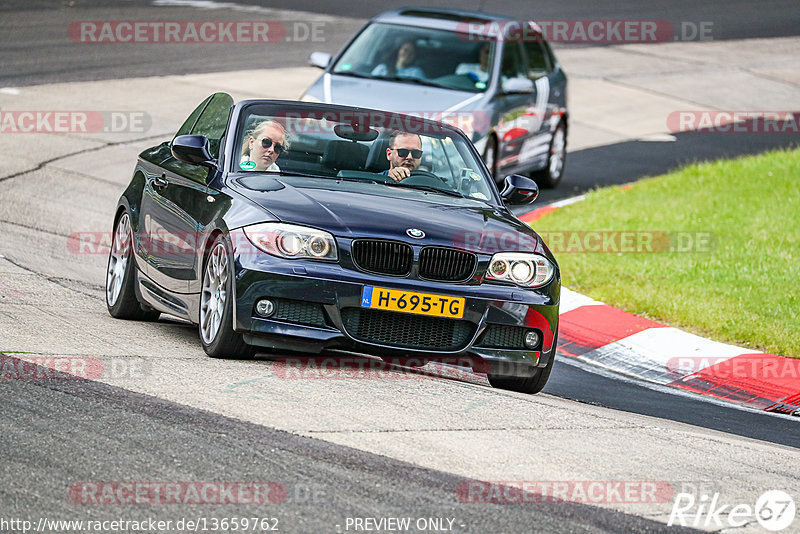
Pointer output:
216, 307
121, 277
551, 175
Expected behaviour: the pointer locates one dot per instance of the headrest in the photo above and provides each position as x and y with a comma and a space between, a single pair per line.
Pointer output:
345, 155
376, 160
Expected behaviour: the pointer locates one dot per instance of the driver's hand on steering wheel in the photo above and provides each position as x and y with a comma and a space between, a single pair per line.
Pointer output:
398, 174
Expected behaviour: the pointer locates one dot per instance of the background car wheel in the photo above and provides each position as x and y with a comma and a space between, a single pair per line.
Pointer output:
525, 384
551, 175
121, 277
216, 306
490, 156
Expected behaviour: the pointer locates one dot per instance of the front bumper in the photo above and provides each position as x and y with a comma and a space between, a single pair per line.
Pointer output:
332, 295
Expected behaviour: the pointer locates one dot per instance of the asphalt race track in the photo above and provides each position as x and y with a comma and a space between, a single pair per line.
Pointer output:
397, 445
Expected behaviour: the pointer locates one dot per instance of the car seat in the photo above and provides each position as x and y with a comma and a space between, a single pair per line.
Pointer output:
348, 155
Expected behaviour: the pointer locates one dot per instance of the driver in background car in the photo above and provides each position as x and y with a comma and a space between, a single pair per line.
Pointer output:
267, 141
403, 65
404, 155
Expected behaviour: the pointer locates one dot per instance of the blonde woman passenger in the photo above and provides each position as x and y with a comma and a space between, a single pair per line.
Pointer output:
262, 148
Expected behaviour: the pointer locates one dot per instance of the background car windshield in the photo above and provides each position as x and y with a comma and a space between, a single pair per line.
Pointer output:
332, 143
444, 58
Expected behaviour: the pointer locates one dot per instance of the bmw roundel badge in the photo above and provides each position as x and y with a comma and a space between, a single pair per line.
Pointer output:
415, 233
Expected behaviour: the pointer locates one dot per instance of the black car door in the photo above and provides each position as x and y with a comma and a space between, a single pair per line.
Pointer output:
176, 205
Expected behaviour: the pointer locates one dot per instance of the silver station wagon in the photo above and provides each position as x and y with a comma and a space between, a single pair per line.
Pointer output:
493, 77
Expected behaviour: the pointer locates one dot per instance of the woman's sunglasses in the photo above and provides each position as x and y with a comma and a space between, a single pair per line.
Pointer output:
403, 152
266, 142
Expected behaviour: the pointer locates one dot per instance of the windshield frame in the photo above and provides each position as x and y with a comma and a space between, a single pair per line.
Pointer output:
243, 110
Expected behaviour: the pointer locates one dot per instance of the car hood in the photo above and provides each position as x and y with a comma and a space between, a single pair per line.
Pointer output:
394, 96
379, 211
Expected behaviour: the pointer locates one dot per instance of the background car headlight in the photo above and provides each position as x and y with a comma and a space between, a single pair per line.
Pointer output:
528, 270
291, 241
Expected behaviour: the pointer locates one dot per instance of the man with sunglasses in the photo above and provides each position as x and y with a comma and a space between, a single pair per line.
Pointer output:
265, 144
404, 155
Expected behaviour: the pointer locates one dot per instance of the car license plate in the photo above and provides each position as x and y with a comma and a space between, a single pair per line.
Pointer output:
412, 302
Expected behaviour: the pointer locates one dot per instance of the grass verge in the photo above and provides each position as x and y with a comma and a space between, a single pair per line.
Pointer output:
713, 248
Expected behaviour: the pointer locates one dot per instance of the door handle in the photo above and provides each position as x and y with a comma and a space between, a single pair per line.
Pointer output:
160, 181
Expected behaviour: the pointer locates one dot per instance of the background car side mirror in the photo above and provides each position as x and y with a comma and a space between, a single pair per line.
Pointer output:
319, 59
519, 190
193, 149
518, 85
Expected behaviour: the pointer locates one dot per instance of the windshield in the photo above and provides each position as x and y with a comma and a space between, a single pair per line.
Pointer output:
419, 55
366, 147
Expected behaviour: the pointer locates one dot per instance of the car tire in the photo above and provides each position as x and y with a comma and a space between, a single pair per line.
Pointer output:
490, 156
525, 384
121, 297
551, 175
217, 335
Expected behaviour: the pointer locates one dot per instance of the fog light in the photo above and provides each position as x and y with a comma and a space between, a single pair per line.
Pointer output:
532, 339
266, 307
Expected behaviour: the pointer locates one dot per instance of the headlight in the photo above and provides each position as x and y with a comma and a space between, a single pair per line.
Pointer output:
291, 241
528, 270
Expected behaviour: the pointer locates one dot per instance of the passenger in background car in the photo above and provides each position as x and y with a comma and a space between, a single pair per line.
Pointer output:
403, 65
477, 72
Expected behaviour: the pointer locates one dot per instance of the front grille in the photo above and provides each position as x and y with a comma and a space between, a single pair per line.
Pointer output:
384, 257
295, 311
503, 337
446, 264
407, 330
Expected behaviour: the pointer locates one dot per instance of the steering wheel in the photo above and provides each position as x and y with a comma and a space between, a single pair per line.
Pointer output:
422, 177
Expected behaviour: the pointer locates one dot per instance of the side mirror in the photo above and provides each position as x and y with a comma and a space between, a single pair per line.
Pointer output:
319, 59
193, 149
518, 85
519, 190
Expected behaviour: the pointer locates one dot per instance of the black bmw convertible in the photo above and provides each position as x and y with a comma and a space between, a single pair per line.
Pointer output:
289, 226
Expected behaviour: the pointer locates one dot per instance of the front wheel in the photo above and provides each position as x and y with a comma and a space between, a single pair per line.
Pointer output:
121, 277
551, 175
216, 307
526, 384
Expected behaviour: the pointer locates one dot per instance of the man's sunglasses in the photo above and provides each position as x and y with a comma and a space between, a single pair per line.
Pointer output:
267, 142
403, 152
